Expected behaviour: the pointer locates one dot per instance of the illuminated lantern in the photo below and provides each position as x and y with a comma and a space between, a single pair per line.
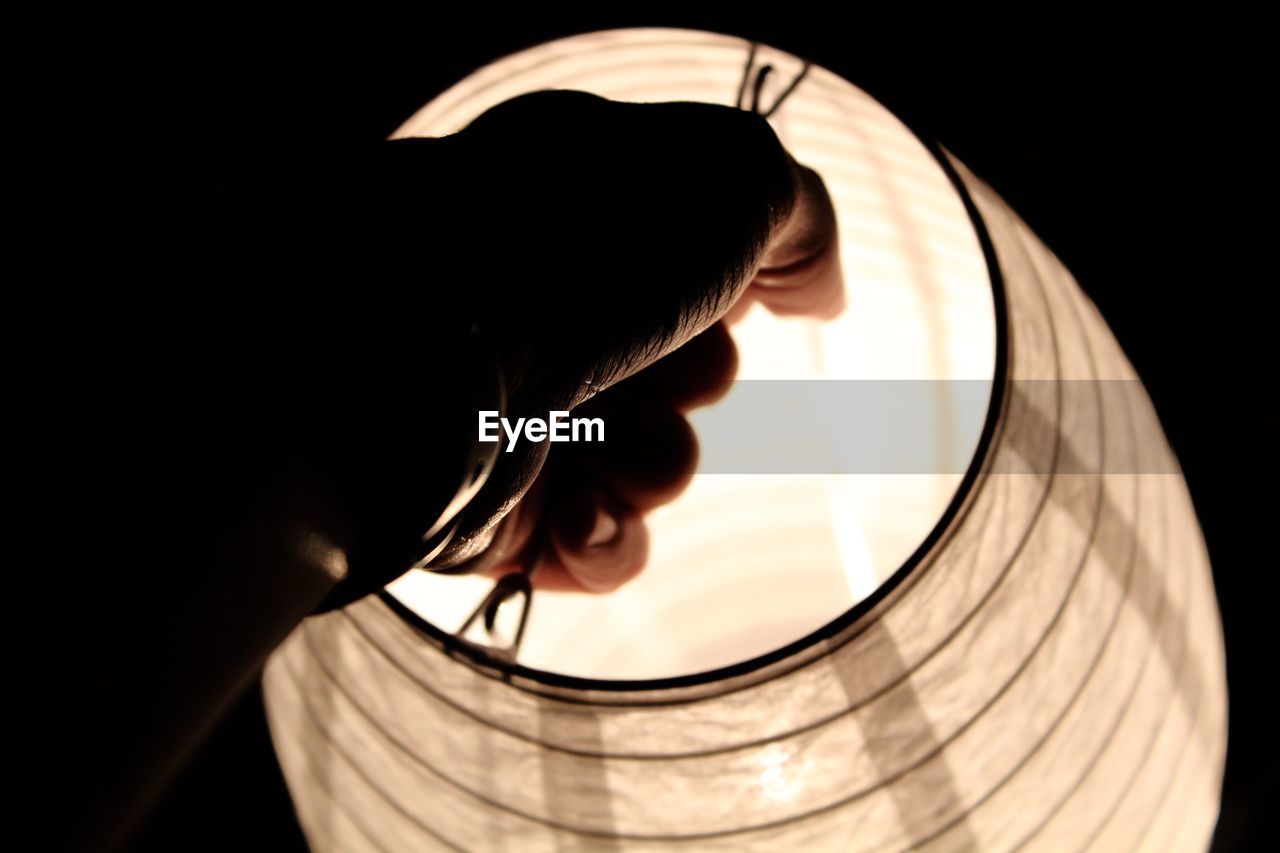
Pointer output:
1021, 650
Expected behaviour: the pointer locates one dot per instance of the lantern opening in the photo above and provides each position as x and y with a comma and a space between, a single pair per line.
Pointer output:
746, 564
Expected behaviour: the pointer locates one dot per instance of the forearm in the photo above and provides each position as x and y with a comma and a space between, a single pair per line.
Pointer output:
235, 465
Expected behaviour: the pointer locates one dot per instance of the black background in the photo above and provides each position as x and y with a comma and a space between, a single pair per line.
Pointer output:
1140, 157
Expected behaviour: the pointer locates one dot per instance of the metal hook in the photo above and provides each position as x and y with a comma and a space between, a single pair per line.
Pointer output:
504, 589
758, 85
746, 75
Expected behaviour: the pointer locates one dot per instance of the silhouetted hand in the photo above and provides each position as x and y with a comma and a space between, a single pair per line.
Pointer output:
628, 233
267, 425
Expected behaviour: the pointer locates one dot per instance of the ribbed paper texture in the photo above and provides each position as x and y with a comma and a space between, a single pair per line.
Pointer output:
1049, 676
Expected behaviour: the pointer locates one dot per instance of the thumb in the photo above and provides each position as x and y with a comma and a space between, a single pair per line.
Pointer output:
625, 229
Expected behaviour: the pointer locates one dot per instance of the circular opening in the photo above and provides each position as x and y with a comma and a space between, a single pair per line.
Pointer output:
760, 555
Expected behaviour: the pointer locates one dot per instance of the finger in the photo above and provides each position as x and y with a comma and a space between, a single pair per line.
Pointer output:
813, 287
800, 273
504, 545
600, 542
741, 307
695, 375
649, 457
550, 576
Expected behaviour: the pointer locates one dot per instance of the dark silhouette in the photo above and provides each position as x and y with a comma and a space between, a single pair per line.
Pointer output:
307, 405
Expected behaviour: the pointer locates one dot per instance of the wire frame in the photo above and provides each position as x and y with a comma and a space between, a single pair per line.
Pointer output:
1047, 672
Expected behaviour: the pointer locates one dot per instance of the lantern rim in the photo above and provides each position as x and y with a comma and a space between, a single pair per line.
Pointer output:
737, 676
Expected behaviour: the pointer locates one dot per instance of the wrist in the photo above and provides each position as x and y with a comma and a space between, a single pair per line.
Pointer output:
408, 474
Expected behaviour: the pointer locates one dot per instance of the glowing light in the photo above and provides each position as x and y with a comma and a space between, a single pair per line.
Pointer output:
1049, 676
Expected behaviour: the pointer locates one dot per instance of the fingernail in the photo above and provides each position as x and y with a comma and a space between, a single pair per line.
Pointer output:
605, 529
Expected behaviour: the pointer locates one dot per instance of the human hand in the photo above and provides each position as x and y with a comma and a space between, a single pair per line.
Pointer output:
634, 233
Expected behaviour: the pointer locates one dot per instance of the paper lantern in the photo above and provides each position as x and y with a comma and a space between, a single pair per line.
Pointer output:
1045, 670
